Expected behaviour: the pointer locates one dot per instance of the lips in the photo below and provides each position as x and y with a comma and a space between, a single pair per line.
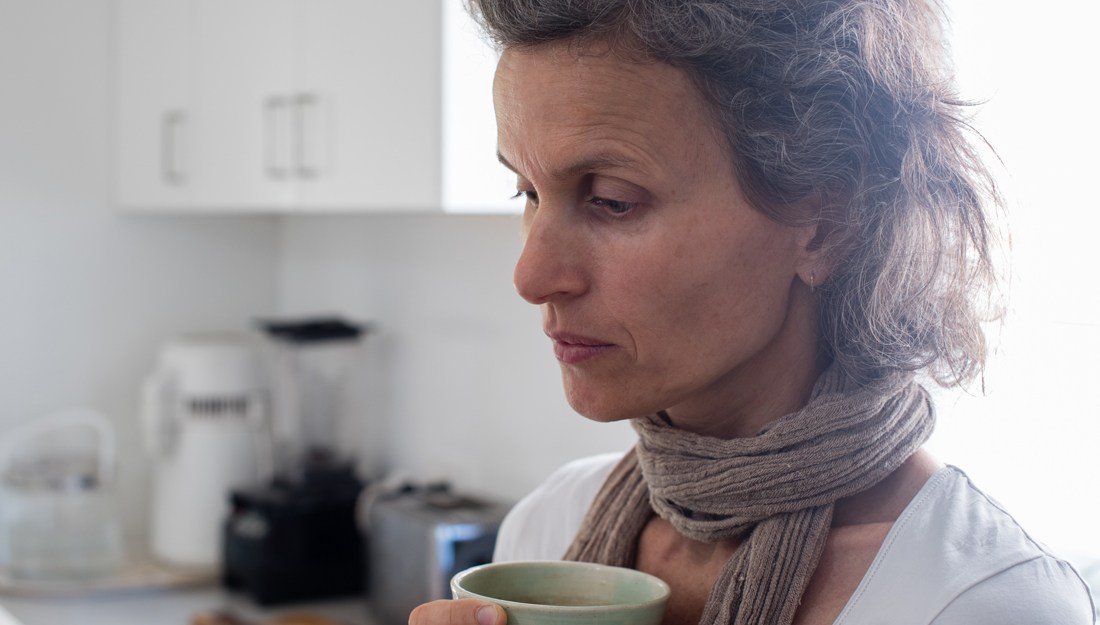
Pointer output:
574, 348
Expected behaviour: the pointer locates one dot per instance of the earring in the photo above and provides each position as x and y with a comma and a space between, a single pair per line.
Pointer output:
812, 287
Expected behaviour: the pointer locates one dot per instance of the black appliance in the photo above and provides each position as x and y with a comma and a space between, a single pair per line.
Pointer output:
296, 541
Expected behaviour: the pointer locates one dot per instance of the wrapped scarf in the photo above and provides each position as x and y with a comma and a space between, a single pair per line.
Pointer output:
776, 489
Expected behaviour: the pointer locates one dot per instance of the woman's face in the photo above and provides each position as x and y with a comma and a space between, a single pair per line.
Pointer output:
660, 287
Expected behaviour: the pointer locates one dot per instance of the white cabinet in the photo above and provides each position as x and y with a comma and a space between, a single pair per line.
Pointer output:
369, 124
243, 57
155, 114
305, 106
193, 88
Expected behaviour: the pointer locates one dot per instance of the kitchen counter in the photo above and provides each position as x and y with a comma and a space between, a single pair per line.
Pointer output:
163, 607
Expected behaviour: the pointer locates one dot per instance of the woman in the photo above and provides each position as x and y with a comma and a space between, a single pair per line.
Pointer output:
748, 224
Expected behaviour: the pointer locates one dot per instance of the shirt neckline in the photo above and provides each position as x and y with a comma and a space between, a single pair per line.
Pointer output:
931, 485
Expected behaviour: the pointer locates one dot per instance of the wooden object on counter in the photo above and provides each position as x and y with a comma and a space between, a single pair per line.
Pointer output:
224, 617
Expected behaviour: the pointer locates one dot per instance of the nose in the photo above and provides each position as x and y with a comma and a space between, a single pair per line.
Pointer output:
551, 266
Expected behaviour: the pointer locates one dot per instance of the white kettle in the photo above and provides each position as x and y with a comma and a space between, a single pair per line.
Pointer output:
205, 411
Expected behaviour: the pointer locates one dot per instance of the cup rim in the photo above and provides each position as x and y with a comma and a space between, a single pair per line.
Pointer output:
662, 597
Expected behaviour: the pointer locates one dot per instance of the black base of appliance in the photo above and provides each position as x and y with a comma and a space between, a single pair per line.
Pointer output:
285, 543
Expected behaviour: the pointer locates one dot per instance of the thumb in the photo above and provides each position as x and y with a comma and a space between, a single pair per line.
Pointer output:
490, 614
458, 612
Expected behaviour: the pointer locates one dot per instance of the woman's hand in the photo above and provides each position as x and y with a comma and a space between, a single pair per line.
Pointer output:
460, 612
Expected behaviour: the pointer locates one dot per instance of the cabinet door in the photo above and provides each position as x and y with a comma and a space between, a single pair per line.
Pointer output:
368, 124
243, 63
155, 124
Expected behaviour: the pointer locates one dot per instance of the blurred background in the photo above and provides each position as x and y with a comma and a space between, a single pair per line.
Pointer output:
175, 170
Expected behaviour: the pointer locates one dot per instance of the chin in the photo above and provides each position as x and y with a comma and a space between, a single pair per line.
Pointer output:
603, 407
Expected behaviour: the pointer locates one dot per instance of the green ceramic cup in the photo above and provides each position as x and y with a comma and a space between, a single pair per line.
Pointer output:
565, 593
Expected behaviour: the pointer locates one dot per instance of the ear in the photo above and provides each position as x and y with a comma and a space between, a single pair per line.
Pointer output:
814, 262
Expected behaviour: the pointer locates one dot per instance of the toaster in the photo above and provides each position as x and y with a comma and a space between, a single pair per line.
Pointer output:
419, 538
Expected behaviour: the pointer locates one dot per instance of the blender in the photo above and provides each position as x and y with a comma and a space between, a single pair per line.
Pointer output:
296, 538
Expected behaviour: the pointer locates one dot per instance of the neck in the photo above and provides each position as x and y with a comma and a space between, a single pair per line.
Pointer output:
777, 381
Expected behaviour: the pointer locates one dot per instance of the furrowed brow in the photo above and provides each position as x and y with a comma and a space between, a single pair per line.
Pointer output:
595, 163
504, 161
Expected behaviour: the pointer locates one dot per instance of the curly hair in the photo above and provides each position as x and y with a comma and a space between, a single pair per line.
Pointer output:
845, 106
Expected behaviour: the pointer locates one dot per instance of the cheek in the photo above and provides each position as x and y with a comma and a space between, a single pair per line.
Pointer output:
708, 299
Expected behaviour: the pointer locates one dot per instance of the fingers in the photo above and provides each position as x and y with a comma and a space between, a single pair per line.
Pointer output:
461, 612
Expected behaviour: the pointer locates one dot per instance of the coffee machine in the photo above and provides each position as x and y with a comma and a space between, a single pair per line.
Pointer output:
206, 417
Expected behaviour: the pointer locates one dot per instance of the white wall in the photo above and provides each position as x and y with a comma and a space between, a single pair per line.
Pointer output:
87, 294
1032, 441
460, 382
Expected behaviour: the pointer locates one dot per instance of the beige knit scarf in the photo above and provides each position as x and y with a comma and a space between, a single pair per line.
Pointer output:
778, 487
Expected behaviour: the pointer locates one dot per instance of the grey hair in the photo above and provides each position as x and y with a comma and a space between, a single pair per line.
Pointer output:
840, 113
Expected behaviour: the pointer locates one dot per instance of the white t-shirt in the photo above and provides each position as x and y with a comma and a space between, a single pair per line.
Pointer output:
953, 557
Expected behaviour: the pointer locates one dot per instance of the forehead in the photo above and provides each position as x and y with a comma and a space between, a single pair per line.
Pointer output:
557, 105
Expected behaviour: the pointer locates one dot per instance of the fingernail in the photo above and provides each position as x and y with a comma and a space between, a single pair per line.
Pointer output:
487, 615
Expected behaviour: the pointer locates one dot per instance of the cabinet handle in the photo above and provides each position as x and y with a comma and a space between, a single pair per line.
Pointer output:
303, 132
170, 158
273, 146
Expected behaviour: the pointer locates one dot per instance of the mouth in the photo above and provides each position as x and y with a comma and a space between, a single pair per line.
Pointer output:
573, 349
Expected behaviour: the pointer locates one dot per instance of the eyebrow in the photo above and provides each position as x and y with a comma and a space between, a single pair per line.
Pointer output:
597, 162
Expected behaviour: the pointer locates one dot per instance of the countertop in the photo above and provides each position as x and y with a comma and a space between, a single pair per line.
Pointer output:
162, 607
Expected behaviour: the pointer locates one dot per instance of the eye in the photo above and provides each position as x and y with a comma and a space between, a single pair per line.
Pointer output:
614, 208
532, 196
